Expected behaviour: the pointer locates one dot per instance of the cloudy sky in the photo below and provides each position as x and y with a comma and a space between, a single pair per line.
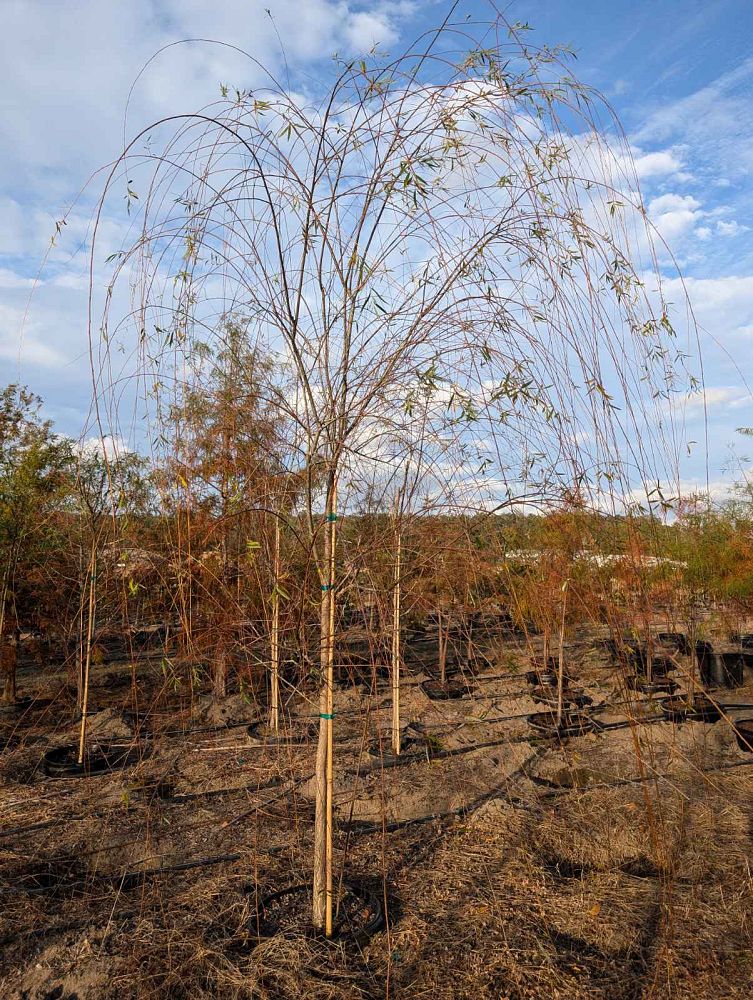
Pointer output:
678, 72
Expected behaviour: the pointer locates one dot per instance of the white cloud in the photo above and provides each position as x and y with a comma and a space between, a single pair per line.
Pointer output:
674, 215
65, 74
364, 30
107, 446
723, 306
715, 398
715, 121
655, 164
729, 228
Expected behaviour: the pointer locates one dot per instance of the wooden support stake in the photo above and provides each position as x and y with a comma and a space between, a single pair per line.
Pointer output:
561, 661
88, 652
396, 649
322, 895
275, 638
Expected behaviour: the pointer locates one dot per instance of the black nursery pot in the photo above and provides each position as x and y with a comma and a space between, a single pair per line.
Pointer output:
745, 639
744, 734
451, 690
359, 914
658, 685
623, 649
548, 696
544, 724
677, 708
541, 678
99, 758
545, 672
730, 668
412, 748
721, 669
660, 665
676, 641
299, 733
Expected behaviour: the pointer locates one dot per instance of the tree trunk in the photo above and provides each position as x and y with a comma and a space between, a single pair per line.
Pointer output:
8, 651
274, 715
322, 889
396, 650
561, 661
442, 650
9, 659
219, 679
88, 654
80, 630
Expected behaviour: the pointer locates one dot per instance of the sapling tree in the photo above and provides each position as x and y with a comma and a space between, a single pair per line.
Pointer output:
102, 492
435, 239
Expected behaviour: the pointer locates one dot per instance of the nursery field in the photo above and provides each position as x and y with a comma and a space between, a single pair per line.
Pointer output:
497, 856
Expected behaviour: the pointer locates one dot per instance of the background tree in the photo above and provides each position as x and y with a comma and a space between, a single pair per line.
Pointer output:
32, 484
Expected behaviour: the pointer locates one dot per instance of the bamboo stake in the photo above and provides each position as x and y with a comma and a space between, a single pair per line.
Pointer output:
442, 650
322, 895
88, 655
275, 650
561, 663
332, 525
396, 595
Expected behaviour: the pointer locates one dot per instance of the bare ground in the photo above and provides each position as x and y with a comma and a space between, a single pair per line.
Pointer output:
615, 866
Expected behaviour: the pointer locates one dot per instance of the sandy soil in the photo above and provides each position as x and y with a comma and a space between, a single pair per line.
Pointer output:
616, 865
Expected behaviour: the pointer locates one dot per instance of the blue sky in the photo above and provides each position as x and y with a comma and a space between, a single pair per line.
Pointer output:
679, 73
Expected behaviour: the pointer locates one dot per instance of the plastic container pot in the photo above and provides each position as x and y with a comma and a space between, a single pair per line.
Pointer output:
452, 689
659, 685
678, 708
744, 734
359, 914
544, 724
99, 758
676, 641
722, 669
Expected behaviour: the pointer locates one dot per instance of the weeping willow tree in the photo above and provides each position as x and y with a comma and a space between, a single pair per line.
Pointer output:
444, 257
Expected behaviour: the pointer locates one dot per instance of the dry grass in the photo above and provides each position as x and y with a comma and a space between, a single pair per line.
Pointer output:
574, 880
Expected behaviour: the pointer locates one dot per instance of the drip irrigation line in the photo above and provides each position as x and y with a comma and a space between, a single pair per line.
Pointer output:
406, 759
288, 791
70, 925
130, 810
621, 782
182, 866
359, 830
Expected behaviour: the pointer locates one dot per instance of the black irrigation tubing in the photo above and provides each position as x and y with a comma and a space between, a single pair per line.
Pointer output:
358, 830
366, 829
381, 765
113, 878
384, 765
182, 866
734, 705
455, 725
621, 782
64, 928
121, 915
175, 799
377, 766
